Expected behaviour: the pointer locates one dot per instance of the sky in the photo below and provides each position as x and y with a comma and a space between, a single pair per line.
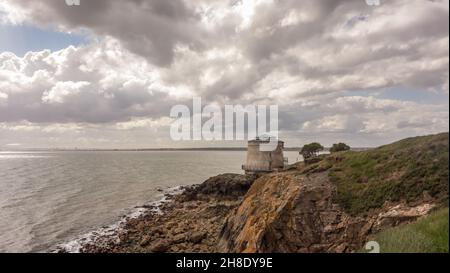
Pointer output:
106, 74
22, 39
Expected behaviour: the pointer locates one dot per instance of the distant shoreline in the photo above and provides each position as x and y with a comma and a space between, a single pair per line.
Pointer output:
232, 149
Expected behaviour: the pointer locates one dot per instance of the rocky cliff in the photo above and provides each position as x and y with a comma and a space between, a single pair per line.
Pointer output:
292, 212
299, 210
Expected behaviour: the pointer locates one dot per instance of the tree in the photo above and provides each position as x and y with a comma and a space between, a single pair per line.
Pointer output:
339, 147
311, 151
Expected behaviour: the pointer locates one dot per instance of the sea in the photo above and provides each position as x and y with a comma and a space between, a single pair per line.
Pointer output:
49, 199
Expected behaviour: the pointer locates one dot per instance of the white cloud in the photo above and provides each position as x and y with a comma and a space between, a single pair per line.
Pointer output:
306, 56
98, 83
63, 91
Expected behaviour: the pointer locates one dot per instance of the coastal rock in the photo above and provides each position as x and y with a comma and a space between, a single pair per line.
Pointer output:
160, 246
190, 222
197, 237
225, 186
179, 238
292, 212
280, 213
145, 241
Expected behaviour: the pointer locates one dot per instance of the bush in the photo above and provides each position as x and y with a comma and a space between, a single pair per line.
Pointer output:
339, 147
311, 151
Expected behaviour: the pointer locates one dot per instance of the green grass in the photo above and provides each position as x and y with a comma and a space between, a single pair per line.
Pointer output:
400, 171
426, 235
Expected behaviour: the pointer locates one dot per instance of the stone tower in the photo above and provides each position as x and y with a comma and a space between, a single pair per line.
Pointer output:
263, 161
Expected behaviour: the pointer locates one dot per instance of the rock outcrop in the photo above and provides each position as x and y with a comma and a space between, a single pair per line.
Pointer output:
225, 186
294, 212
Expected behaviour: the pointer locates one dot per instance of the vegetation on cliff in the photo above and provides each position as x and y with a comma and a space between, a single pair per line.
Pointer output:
426, 235
409, 170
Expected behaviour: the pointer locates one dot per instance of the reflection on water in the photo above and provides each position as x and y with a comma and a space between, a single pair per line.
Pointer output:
23, 155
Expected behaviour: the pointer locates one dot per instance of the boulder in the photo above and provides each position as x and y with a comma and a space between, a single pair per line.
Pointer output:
179, 238
197, 237
225, 186
160, 246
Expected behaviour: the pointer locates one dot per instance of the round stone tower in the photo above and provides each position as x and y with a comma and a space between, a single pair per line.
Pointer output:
263, 161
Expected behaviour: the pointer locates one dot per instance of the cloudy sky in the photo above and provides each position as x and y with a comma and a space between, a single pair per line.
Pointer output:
105, 74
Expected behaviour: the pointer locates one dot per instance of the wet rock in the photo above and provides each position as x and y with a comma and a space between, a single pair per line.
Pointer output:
145, 241
178, 230
157, 231
140, 226
197, 237
179, 238
160, 246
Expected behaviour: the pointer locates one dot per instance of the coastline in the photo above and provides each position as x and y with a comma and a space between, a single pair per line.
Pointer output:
185, 219
301, 209
202, 218
109, 233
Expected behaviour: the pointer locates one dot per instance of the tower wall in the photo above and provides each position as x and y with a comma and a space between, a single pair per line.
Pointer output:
263, 161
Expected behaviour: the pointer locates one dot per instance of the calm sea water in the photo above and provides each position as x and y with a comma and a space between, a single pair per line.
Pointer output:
48, 198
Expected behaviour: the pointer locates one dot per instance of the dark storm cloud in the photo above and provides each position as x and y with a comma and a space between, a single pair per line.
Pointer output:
275, 38
149, 28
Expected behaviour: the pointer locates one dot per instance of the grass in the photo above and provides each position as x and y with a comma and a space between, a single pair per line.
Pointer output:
426, 235
400, 171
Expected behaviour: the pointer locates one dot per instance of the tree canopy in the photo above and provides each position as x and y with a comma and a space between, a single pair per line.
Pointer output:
339, 147
311, 150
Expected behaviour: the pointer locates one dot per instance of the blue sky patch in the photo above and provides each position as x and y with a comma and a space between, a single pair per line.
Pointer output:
404, 94
21, 39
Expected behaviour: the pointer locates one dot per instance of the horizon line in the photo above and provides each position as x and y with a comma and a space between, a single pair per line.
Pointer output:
153, 149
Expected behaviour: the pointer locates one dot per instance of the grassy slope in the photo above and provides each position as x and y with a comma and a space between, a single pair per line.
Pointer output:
403, 170
400, 171
427, 235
